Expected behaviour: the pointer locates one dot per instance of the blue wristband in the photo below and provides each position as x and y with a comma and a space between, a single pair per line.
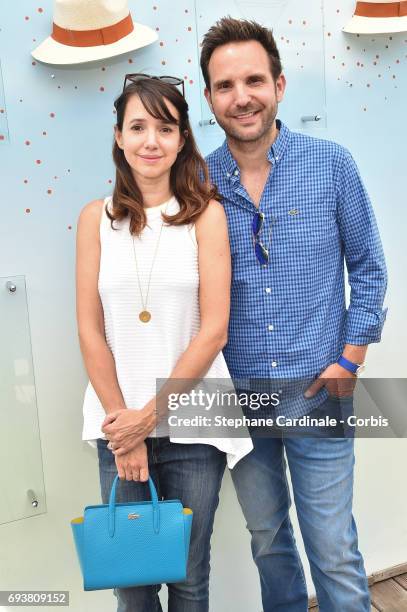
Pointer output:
348, 365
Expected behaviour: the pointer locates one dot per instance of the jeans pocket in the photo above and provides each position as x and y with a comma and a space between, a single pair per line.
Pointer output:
340, 398
106, 457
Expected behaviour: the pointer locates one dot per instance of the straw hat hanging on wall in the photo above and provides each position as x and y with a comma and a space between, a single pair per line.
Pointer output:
85, 31
378, 17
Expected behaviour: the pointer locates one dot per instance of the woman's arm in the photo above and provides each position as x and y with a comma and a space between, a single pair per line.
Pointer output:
214, 294
96, 354
214, 301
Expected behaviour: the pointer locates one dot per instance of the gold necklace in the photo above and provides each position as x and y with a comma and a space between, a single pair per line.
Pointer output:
145, 315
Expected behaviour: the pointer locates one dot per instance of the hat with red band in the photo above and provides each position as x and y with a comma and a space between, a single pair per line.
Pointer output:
92, 30
376, 17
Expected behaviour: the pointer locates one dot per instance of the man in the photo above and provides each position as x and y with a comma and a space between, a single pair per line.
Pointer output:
296, 210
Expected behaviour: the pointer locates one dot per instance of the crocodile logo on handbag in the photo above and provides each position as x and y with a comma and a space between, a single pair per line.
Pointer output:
133, 516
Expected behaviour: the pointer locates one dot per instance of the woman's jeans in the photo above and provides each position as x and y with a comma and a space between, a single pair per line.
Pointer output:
193, 474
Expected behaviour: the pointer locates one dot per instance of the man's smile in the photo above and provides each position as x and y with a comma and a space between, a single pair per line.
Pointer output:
245, 117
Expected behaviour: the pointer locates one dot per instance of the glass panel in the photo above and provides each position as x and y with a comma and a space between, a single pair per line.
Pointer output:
4, 137
21, 476
299, 36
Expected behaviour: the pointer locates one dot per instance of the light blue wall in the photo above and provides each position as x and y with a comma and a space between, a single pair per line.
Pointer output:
363, 111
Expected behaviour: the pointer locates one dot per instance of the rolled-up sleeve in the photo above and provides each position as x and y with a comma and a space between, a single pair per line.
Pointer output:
364, 256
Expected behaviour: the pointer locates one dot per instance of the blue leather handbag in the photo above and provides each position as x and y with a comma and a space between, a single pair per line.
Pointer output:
133, 544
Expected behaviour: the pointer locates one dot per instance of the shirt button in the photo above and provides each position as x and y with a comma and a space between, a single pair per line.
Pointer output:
236, 173
274, 364
268, 290
228, 174
277, 158
271, 327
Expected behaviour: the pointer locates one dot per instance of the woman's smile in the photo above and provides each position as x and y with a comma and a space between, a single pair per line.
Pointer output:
150, 159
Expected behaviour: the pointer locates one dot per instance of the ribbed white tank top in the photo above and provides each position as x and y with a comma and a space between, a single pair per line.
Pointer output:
144, 352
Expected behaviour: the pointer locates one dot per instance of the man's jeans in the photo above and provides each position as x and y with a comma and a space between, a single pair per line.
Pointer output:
321, 469
193, 474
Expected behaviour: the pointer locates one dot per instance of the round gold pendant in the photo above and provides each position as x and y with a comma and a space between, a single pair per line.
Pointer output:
144, 316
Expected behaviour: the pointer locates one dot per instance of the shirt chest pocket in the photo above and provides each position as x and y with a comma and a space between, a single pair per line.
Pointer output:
308, 229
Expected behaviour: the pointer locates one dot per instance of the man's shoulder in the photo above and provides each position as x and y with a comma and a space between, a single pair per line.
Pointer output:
313, 143
305, 144
214, 158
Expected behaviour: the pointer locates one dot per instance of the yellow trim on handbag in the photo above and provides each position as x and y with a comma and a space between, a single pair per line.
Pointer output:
187, 511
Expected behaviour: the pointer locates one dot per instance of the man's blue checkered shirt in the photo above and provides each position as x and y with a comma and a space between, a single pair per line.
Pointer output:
289, 320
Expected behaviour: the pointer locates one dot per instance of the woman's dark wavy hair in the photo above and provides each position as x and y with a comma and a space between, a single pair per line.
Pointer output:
189, 179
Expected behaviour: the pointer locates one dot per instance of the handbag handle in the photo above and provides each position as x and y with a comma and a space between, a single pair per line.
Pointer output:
112, 504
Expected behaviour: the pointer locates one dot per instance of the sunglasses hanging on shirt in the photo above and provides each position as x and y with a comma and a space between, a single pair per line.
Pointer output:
261, 252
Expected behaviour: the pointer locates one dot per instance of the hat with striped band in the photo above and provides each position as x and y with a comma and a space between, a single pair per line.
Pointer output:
92, 30
378, 17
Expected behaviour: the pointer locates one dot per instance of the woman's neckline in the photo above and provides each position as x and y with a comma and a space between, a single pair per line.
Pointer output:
152, 211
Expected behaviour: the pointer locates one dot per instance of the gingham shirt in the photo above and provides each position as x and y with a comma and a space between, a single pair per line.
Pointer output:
289, 319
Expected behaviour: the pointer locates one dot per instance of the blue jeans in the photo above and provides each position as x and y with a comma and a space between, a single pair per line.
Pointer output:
321, 469
193, 474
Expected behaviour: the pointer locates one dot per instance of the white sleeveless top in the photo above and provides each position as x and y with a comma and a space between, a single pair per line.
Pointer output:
144, 352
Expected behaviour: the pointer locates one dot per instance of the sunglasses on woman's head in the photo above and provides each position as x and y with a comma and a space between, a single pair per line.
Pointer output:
170, 80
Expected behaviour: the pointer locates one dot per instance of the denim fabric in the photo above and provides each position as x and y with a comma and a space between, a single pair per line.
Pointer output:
193, 474
321, 469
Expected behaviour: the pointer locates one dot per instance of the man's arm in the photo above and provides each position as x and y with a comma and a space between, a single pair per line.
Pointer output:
367, 275
364, 257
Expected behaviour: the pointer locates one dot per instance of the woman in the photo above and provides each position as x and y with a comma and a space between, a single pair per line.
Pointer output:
153, 282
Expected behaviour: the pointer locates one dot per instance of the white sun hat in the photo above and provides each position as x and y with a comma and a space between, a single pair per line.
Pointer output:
378, 17
90, 30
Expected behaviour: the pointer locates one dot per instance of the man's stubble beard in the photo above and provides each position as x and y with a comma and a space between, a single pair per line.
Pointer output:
239, 136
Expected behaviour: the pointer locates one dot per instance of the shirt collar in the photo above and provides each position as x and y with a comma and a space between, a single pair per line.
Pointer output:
274, 154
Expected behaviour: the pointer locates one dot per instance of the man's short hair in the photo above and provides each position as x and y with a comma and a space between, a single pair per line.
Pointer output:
228, 30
